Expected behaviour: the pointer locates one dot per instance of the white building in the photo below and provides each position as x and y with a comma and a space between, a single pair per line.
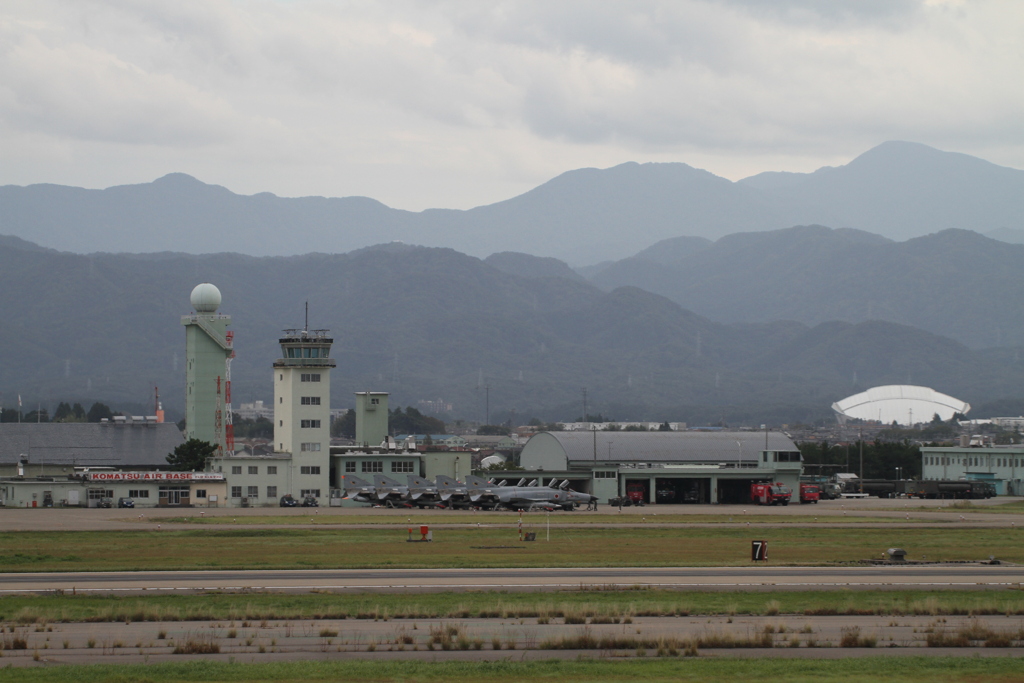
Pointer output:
302, 408
900, 403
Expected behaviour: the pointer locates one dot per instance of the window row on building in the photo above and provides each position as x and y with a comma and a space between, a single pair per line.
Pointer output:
372, 466
971, 461
305, 352
250, 492
253, 469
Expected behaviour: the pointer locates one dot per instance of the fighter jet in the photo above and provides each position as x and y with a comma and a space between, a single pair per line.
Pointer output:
524, 495
358, 490
422, 492
390, 492
451, 492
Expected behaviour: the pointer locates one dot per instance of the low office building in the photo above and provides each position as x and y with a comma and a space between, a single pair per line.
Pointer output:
670, 467
1001, 466
258, 480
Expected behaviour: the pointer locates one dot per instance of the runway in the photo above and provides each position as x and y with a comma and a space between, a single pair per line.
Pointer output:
944, 576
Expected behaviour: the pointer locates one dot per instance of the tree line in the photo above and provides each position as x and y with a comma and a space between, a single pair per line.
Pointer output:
65, 412
881, 458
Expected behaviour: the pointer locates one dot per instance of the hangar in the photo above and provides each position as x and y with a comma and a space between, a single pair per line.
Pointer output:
672, 467
51, 464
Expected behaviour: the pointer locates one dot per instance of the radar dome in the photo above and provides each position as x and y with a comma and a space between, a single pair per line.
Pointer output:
205, 298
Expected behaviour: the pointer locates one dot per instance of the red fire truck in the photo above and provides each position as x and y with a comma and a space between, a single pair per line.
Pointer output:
635, 494
809, 493
768, 493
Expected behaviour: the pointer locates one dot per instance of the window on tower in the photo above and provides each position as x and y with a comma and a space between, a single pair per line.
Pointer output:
310, 400
309, 424
309, 377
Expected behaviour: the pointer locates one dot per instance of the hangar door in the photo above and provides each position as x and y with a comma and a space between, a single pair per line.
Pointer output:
734, 491
678, 490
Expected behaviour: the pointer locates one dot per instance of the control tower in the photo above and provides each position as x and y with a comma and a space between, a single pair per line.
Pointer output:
302, 407
208, 354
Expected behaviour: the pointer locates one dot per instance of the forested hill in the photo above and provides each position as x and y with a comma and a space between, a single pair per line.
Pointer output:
955, 283
429, 323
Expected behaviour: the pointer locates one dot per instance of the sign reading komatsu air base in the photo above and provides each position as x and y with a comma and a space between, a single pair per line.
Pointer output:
154, 476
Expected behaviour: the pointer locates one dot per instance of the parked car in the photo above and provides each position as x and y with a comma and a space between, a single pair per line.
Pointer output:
105, 503
125, 503
310, 502
287, 501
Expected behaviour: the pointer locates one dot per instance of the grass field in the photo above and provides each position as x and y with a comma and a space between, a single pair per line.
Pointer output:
27, 609
654, 670
486, 547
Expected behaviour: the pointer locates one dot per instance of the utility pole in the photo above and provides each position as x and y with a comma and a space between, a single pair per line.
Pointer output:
585, 405
862, 460
487, 403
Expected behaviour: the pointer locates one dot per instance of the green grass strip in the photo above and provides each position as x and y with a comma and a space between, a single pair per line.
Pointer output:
215, 548
448, 605
653, 670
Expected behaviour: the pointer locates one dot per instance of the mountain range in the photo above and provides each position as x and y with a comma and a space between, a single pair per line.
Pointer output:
954, 283
427, 323
899, 190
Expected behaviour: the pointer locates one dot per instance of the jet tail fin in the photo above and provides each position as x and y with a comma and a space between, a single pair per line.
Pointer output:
381, 480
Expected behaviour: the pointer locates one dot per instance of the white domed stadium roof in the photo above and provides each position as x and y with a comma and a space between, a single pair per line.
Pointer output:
491, 460
900, 403
205, 298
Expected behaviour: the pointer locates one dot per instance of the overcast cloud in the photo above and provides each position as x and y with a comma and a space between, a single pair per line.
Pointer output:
457, 104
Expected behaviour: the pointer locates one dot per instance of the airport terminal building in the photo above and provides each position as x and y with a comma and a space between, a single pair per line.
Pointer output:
671, 467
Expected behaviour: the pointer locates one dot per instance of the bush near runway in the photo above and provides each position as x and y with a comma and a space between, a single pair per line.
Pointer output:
206, 548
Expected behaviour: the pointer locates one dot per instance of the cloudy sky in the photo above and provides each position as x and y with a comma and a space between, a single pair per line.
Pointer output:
457, 104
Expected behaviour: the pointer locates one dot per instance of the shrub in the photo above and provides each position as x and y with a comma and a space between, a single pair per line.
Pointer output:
197, 645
